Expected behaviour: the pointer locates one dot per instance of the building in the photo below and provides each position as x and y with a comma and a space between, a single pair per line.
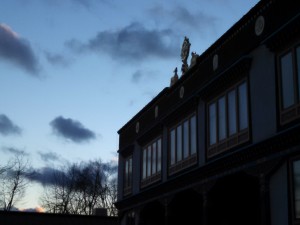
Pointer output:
221, 145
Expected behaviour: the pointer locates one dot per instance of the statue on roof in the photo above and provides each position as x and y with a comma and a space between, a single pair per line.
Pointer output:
174, 78
194, 59
185, 50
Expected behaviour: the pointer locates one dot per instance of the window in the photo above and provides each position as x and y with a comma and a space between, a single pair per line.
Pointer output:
183, 144
128, 176
151, 162
228, 119
289, 70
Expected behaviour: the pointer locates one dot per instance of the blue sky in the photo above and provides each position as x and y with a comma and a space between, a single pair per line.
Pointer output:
73, 72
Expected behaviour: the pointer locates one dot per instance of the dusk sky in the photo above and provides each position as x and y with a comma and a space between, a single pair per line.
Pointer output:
73, 72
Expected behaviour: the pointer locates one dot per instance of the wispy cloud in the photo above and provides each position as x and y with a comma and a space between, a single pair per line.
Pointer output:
7, 127
57, 59
14, 151
17, 50
131, 43
181, 17
140, 75
72, 130
49, 156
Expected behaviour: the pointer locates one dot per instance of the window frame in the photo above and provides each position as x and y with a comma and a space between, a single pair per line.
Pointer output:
128, 176
191, 159
241, 135
156, 176
291, 112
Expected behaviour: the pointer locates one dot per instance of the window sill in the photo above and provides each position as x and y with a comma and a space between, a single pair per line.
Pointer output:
127, 191
290, 114
150, 180
183, 164
228, 143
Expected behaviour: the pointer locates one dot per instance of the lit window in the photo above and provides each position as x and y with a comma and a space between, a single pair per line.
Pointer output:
151, 162
228, 119
289, 70
183, 144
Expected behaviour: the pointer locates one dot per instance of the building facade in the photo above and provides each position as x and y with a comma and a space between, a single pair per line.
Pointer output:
221, 145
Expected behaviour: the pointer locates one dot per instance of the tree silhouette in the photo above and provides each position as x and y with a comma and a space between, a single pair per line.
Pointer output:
81, 188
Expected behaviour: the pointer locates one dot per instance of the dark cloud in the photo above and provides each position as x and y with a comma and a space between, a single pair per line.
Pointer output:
57, 59
17, 50
131, 43
71, 130
14, 151
45, 176
49, 156
7, 127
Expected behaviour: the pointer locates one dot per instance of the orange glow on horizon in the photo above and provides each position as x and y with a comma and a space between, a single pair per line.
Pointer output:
40, 209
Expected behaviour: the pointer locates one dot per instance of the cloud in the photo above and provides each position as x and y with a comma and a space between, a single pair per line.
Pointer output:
57, 59
49, 156
45, 176
140, 75
7, 127
136, 76
71, 130
37, 209
14, 151
17, 50
198, 19
182, 18
131, 43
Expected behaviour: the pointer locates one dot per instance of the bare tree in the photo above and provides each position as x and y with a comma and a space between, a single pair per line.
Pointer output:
80, 188
13, 181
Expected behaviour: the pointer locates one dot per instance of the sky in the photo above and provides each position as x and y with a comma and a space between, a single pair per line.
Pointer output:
73, 72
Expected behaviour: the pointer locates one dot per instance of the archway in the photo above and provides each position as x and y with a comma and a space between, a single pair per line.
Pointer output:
152, 214
234, 199
186, 208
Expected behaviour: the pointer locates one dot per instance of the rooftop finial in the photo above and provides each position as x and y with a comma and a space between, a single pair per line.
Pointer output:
185, 50
174, 78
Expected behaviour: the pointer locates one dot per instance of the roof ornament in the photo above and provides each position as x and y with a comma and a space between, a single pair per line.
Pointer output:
194, 59
185, 51
174, 79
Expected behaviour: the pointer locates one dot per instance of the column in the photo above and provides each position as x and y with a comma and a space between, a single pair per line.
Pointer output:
264, 199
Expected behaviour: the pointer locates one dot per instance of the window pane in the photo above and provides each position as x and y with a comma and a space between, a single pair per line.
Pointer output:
172, 146
193, 135
232, 112
298, 70
186, 139
144, 163
179, 143
222, 118
212, 124
126, 172
243, 106
154, 158
159, 155
296, 168
287, 80
130, 172
149, 161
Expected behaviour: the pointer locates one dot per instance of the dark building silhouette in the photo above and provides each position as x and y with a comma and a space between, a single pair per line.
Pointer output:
221, 145
34, 218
